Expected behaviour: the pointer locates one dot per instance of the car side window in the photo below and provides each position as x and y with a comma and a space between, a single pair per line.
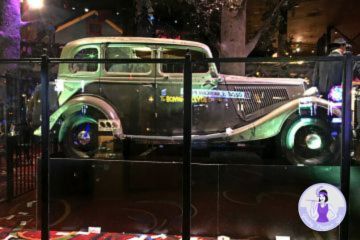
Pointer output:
86, 53
174, 53
128, 52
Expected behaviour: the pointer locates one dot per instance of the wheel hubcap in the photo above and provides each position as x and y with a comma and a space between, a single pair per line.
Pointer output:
313, 141
83, 138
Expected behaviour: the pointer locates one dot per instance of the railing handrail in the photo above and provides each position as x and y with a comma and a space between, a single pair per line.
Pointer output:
181, 60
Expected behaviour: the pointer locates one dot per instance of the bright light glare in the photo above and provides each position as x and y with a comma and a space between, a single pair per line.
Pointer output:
35, 4
313, 141
282, 238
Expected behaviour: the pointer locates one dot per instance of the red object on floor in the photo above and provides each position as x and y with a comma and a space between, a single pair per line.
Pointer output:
36, 235
4, 232
55, 235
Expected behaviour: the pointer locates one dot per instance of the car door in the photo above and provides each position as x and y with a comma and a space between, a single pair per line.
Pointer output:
169, 91
130, 87
169, 87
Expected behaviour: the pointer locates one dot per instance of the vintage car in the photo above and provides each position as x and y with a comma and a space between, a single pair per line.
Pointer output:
97, 105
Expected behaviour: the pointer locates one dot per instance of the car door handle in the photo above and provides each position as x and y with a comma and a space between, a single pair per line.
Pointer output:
148, 85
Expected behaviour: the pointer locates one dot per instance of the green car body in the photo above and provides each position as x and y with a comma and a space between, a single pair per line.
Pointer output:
144, 102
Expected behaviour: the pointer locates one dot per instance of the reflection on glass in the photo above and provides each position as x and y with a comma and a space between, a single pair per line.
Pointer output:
128, 52
19, 151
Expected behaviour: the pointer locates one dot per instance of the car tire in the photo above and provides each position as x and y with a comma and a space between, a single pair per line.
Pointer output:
81, 134
309, 141
86, 146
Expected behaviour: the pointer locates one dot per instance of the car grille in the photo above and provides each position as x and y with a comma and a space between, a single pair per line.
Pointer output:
259, 98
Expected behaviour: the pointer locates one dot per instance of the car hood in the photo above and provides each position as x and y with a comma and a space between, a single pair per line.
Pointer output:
233, 79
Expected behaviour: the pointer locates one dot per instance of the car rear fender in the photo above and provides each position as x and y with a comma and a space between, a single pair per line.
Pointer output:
75, 104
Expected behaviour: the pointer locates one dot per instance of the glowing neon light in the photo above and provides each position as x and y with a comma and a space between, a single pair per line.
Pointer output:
335, 94
336, 120
87, 130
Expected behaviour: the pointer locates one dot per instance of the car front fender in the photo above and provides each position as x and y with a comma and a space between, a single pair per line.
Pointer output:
270, 125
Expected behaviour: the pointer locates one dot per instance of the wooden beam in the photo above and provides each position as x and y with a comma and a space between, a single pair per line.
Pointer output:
114, 26
76, 20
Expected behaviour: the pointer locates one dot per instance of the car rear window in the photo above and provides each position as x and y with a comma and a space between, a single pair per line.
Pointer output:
128, 52
175, 53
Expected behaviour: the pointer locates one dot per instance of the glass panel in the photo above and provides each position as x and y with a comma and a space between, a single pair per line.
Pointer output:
131, 182
261, 138
116, 165
19, 150
354, 201
263, 200
287, 110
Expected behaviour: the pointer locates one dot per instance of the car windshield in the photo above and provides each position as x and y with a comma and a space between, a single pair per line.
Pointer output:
176, 53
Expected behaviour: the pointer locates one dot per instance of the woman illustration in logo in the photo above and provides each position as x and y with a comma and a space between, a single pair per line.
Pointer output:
321, 210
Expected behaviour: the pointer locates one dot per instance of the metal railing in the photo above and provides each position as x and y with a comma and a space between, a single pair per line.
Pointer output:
21, 158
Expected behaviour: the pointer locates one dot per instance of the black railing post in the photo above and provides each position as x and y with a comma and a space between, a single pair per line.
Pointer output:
44, 166
9, 168
346, 142
186, 175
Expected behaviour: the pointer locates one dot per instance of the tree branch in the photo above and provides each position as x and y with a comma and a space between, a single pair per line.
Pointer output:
253, 42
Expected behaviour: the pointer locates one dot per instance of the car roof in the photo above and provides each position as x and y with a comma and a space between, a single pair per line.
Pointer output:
94, 40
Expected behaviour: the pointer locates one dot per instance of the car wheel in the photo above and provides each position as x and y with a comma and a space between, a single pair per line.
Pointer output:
81, 135
309, 141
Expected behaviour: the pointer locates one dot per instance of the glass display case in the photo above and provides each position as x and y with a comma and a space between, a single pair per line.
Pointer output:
129, 119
